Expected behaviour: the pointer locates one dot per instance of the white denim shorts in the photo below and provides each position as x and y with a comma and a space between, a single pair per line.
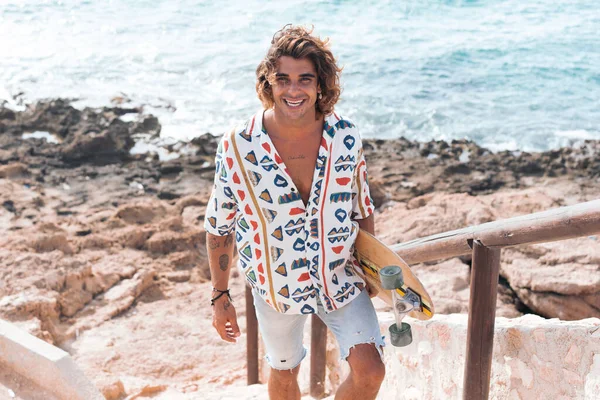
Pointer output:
355, 323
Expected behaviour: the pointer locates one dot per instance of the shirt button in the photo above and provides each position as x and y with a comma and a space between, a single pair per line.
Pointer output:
293, 190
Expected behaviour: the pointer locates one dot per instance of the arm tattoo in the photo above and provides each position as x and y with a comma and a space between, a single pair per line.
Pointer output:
224, 262
226, 305
228, 240
213, 243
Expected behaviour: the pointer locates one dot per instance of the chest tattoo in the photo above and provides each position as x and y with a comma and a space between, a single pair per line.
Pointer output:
298, 157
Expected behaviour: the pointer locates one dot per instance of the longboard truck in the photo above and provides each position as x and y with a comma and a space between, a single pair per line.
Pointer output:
392, 279
397, 285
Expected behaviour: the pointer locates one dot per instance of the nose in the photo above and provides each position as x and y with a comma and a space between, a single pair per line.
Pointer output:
294, 87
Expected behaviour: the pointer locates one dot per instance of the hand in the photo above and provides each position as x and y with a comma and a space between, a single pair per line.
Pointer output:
225, 320
373, 291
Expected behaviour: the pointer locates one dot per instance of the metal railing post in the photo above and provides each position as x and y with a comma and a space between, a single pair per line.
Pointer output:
318, 345
251, 338
485, 271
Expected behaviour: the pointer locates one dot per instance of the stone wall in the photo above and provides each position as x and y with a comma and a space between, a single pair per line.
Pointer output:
533, 358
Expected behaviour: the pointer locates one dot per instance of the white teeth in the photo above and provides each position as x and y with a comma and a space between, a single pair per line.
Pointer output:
294, 103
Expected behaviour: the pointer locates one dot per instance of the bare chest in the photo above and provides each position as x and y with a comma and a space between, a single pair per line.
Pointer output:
300, 159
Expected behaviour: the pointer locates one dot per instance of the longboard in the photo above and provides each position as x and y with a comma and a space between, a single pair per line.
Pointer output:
372, 256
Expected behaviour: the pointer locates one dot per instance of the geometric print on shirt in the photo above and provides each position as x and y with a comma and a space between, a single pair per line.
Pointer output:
293, 253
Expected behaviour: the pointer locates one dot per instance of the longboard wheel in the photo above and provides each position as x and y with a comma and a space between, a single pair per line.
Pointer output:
402, 336
391, 277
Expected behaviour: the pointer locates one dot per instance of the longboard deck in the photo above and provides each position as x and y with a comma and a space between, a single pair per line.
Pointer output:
373, 255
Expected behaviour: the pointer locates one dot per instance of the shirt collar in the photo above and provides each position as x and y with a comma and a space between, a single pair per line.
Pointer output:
256, 125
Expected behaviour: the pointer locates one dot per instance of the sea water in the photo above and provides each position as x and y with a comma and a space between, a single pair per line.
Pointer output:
520, 75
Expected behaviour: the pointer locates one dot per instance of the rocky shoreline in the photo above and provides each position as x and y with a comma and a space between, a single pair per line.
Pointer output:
99, 248
87, 140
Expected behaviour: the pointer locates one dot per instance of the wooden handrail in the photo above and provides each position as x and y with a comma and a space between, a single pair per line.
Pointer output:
484, 242
547, 226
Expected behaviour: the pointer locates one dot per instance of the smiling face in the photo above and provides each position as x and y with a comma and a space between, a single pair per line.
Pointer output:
295, 90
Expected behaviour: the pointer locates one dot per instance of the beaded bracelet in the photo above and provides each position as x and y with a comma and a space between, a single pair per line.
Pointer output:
221, 293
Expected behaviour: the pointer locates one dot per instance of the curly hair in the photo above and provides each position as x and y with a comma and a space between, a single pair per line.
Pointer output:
298, 42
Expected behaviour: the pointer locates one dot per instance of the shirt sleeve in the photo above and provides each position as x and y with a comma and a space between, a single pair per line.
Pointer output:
222, 206
362, 203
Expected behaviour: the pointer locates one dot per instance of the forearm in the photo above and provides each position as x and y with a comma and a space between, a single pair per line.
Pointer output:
220, 254
367, 224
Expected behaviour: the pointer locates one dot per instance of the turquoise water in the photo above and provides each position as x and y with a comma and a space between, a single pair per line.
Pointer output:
507, 74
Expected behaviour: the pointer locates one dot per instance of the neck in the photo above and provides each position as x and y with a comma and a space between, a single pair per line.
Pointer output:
283, 128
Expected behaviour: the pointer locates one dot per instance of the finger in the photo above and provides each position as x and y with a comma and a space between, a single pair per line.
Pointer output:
228, 338
222, 331
372, 291
235, 328
229, 330
231, 333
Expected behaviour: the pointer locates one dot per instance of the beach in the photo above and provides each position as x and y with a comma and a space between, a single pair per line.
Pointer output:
102, 252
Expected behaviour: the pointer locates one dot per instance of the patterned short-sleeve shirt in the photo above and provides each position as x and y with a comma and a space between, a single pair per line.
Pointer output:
289, 253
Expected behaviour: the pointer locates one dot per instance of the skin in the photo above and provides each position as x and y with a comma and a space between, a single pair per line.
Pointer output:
220, 254
296, 134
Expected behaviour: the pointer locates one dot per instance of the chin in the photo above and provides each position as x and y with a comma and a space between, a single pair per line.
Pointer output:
295, 113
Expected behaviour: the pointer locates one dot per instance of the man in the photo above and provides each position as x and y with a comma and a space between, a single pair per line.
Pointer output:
291, 189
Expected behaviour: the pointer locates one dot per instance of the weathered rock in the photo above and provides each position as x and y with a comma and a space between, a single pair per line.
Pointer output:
96, 242
207, 144
33, 326
134, 237
448, 284
141, 213
412, 169
194, 215
169, 242
111, 388
377, 191
42, 305
48, 243
148, 124
13, 170
576, 275
37, 310
130, 288
189, 201
149, 390
73, 300
112, 303
6, 114
171, 224
559, 279
89, 135
552, 305
556, 280
106, 146
178, 276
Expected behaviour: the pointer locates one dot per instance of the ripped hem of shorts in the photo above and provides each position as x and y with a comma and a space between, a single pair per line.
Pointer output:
379, 345
270, 362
